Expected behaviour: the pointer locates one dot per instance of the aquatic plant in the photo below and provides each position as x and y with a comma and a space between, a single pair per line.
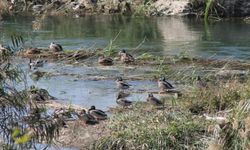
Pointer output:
111, 48
22, 122
209, 5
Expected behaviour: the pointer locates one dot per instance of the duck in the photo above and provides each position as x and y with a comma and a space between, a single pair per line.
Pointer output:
126, 57
120, 100
87, 118
36, 63
121, 84
32, 51
97, 113
55, 47
106, 61
164, 85
153, 100
59, 120
36, 97
200, 83
123, 94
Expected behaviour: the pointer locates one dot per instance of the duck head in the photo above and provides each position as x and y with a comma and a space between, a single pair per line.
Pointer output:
92, 108
150, 95
119, 79
122, 52
198, 78
83, 112
162, 78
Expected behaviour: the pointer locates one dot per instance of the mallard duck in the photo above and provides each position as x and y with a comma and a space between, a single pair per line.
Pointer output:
126, 57
120, 100
97, 113
33, 51
153, 100
123, 94
36, 63
106, 61
200, 83
55, 47
164, 85
122, 84
46, 94
59, 120
87, 118
36, 97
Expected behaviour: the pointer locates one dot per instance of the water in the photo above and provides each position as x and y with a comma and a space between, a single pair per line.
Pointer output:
163, 35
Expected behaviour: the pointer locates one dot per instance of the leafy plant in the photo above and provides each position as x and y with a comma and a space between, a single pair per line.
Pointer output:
22, 123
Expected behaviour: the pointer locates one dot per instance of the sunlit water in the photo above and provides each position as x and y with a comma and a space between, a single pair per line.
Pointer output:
163, 35
159, 36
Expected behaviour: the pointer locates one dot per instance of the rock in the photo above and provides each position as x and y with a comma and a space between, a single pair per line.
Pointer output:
164, 7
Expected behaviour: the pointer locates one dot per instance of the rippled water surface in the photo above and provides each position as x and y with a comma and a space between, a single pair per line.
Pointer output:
159, 36
163, 35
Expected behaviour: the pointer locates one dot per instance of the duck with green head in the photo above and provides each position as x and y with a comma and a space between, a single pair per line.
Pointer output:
97, 113
87, 118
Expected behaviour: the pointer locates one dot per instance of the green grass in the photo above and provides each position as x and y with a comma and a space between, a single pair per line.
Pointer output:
178, 126
209, 5
143, 128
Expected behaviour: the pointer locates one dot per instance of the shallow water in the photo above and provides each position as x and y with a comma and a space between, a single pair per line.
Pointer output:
164, 35
74, 85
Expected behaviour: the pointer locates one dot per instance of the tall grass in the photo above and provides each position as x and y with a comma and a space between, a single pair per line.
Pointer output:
209, 5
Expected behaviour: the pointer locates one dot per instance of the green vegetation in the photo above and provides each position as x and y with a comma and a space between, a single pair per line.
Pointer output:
22, 123
144, 128
178, 126
209, 5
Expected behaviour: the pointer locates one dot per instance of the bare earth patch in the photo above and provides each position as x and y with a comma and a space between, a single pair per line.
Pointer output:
80, 136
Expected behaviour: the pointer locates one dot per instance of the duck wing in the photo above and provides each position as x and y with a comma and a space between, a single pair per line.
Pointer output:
155, 101
123, 102
125, 83
131, 57
109, 60
59, 47
167, 85
98, 114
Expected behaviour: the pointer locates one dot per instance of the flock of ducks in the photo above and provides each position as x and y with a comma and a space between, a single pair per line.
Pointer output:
93, 115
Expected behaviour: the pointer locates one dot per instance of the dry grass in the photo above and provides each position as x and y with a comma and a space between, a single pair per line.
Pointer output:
3, 7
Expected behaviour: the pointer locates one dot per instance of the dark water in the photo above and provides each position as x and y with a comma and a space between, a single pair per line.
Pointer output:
163, 35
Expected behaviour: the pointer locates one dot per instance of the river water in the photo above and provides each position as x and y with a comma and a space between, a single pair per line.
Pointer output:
158, 36
163, 35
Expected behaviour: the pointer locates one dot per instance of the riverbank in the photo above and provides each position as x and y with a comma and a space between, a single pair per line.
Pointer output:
198, 118
218, 8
